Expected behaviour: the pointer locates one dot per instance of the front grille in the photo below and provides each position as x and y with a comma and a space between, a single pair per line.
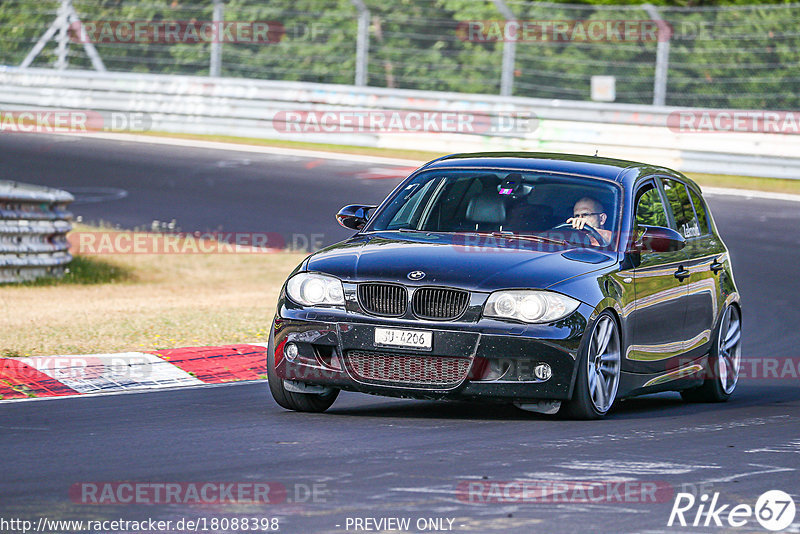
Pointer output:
438, 303
383, 299
391, 368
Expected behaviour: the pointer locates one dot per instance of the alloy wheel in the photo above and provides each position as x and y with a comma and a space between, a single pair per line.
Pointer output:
603, 363
730, 349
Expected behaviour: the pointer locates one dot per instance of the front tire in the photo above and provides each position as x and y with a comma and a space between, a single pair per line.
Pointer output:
599, 364
724, 359
299, 402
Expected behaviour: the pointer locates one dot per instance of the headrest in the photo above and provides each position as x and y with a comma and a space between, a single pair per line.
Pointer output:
487, 209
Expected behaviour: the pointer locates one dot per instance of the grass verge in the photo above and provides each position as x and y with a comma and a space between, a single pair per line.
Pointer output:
135, 302
420, 155
86, 270
774, 185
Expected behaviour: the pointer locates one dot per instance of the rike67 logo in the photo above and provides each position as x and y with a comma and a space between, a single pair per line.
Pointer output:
774, 510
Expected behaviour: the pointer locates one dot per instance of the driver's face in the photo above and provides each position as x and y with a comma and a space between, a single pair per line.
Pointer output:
589, 211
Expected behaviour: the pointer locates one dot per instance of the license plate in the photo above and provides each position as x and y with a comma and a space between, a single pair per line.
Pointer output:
417, 339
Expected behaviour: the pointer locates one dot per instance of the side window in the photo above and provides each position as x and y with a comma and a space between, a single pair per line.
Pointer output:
681, 205
649, 208
413, 196
700, 211
449, 207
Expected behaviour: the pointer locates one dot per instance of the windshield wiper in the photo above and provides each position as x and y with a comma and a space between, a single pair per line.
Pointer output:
530, 237
510, 235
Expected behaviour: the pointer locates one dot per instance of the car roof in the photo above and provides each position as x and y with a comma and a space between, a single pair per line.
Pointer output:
619, 170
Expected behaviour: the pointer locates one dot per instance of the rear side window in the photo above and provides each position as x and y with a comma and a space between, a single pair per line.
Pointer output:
681, 204
649, 208
700, 211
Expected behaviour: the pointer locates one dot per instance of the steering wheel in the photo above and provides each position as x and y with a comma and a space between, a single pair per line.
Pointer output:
590, 231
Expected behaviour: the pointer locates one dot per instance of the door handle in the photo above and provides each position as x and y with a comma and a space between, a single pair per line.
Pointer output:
682, 273
716, 266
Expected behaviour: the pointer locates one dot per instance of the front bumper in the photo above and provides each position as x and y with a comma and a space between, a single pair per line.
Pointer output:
329, 341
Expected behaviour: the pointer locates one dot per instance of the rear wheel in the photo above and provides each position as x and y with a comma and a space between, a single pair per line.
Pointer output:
724, 361
598, 371
300, 402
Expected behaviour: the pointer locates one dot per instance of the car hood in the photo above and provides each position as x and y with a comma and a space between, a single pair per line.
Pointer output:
481, 263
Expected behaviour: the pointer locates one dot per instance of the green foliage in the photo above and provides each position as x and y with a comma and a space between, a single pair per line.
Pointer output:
84, 270
740, 55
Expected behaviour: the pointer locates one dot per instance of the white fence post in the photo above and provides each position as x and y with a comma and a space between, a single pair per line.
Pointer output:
362, 42
509, 52
63, 34
662, 56
215, 67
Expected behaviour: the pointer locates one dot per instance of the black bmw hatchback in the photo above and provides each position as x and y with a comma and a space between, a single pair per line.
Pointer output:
551, 281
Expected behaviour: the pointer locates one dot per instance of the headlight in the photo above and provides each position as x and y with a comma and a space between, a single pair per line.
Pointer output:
529, 306
312, 289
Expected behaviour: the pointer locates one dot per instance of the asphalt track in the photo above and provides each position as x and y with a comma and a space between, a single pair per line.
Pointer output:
375, 457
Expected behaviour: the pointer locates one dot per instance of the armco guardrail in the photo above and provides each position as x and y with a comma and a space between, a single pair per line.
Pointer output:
34, 222
250, 108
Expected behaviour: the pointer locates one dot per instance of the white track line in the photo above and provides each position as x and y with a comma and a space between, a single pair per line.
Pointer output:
748, 193
259, 149
131, 391
360, 158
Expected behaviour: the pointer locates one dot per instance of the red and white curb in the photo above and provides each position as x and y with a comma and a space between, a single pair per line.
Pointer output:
91, 374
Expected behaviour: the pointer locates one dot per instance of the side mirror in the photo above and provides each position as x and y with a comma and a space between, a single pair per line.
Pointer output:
354, 216
658, 239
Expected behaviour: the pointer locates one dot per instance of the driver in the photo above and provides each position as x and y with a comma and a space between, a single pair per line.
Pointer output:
588, 211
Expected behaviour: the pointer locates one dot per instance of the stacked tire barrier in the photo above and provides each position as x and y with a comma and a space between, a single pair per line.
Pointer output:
34, 222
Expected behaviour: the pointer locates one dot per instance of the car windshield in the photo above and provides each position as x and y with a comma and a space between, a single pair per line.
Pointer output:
534, 204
